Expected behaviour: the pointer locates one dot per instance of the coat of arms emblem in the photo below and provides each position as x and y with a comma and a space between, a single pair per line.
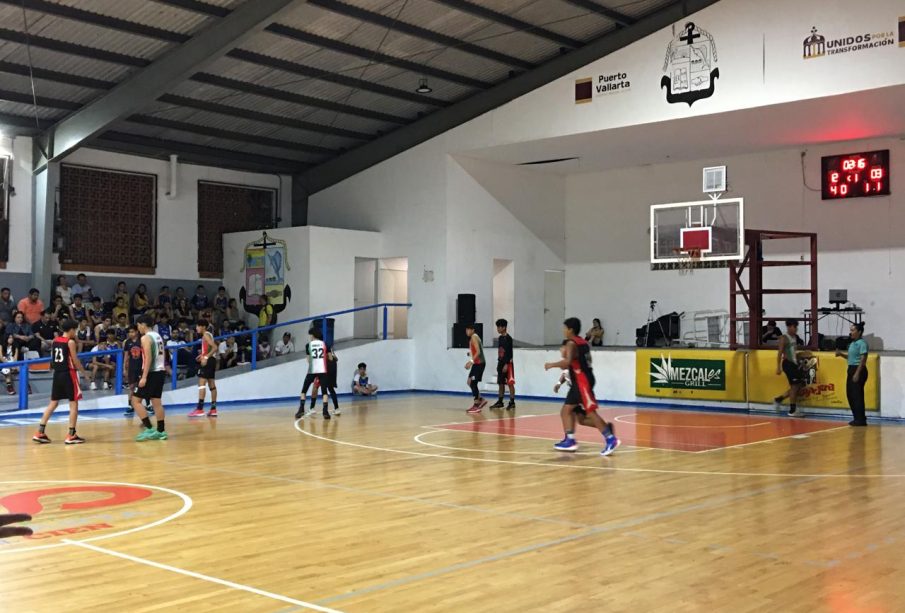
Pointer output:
690, 70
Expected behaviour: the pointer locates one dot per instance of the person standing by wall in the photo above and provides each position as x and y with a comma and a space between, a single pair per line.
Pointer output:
857, 374
265, 317
595, 334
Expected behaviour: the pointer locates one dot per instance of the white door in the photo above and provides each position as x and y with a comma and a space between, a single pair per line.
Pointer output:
365, 324
554, 306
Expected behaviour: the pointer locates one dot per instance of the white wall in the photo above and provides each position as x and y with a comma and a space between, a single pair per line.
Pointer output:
860, 243
20, 209
177, 218
504, 292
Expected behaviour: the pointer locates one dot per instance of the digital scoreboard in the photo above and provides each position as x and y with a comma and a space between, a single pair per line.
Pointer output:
855, 175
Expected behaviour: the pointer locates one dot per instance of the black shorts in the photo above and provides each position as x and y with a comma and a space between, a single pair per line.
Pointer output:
310, 379
477, 372
208, 371
582, 405
330, 378
65, 386
505, 373
153, 389
793, 372
134, 377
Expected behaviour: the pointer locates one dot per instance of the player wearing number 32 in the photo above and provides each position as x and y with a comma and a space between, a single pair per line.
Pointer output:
66, 366
317, 366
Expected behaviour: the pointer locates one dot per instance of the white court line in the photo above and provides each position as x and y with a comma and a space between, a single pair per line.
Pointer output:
418, 439
188, 573
771, 440
621, 420
586, 467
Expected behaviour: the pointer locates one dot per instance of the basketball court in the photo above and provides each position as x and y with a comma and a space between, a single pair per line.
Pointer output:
397, 504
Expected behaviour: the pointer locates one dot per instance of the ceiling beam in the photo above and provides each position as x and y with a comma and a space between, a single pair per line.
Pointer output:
197, 7
93, 53
142, 89
267, 118
385, 21
240, 137
322, 75
279, 94
103, 21
339, 168
123, 142
373, 56
517, 24
50, 103
55, 76
24, 125
611, 14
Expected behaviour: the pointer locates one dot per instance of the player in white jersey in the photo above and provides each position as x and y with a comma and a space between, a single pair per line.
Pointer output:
153, 377
317, 367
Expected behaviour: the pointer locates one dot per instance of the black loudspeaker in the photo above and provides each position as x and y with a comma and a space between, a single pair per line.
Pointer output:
460, 339
466, 312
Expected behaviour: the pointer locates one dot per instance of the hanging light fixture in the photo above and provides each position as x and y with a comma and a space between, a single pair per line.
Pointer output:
423, 87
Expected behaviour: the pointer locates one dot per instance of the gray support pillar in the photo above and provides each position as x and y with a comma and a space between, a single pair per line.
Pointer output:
299, 202
46, 183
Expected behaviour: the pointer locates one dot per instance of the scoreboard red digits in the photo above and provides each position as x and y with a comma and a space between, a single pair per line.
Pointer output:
855, 175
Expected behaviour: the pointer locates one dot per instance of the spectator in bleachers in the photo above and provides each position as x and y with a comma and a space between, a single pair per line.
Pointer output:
11, 354
595, 334
228, 352
221, 302
63, 290
97, 312
164, 302
284, 346
78, 308
45, 331
265, 316
140, 301
163, 327
22, 333
244, 343
232, 313
7, 306
121, 308
181, 304
84, 336
101, 365
263, 347
59, 310
121, 292
199, 301
82, 287
31, 306
121, 329
100, 331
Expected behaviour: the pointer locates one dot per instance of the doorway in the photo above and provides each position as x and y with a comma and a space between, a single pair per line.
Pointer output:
554, 306
504, 292
365, 322
392, 286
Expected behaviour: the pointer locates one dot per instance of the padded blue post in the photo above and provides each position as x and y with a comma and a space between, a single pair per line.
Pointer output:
118, 384
386, 319
254, 349
23, 387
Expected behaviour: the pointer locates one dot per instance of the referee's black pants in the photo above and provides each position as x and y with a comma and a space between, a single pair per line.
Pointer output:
855, 392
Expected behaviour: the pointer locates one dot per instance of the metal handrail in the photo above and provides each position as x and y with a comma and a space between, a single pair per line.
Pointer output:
174, 349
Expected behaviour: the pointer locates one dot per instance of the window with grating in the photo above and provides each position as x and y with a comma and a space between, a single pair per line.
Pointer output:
224, 208
107, 220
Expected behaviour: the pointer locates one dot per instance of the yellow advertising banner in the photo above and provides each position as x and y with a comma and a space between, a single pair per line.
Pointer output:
690, 373
825, 376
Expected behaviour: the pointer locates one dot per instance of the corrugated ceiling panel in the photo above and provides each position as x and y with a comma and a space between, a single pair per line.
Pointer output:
21, 83
61, 62
144, 12
27, 110
70, 31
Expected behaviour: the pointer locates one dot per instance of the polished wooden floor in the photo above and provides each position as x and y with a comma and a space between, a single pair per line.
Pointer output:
405, 503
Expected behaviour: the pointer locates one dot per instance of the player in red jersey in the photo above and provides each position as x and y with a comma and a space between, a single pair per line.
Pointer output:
580, 403
66, 368
208, 371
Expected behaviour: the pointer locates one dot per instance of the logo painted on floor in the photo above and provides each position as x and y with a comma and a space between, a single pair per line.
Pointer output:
85, 510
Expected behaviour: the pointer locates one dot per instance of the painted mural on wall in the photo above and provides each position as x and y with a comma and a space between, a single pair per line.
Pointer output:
265, 262
690, 69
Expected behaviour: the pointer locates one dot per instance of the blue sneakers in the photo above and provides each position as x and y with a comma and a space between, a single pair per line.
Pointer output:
567, 444
611, 444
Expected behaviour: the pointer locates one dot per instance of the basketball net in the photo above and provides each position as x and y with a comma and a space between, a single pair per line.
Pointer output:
688, 260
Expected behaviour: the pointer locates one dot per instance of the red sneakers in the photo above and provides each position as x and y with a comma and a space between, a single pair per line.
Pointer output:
40, 437
212, 412
74, 439
197, 413
478, 405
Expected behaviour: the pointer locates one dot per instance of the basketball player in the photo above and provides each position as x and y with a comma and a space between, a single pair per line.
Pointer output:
150, 385
66, 368
787, 362
475, 365
327, 385
208, 371
580, 401
132, 353
505, 370
317, 368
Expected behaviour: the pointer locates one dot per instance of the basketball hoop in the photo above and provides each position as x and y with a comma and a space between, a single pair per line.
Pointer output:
688, 259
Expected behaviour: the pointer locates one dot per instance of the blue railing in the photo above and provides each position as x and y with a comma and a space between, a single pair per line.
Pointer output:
173, 350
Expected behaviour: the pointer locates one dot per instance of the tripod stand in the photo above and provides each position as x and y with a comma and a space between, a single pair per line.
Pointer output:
653, 317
